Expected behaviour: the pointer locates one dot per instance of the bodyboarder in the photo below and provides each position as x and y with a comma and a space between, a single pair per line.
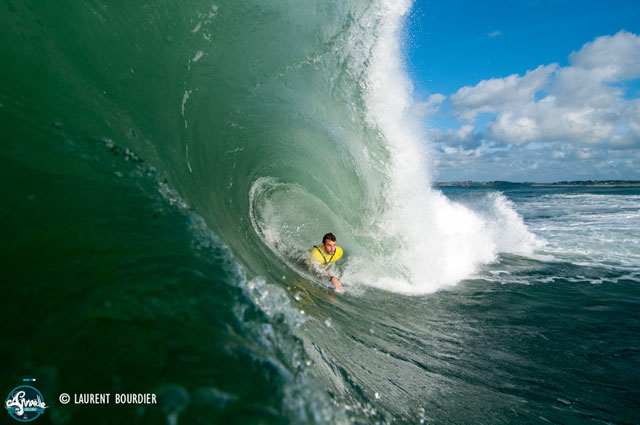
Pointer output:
323, 256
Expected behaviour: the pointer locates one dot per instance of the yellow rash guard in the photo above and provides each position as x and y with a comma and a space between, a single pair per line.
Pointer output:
319, 257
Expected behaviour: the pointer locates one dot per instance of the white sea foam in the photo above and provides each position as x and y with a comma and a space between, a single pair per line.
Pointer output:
588, 229
437, 242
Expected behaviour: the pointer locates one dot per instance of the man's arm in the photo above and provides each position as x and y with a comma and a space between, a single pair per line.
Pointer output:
335, 281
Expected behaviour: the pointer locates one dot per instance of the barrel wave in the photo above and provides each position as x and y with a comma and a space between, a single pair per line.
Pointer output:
168, 166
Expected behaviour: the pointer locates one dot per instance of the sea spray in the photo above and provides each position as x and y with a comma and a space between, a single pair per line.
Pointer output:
434, 242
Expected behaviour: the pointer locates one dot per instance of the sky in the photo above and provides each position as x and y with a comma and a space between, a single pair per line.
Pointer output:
530, 90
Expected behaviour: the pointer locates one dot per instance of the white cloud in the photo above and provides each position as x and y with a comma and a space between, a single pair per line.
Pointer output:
494, 34
513, 127
581, 103
495, 94
610, 58
435, 99
430, 106
584, 154
465, 137
543, 162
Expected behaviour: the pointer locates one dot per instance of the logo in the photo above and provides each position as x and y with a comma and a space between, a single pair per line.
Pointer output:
25, 403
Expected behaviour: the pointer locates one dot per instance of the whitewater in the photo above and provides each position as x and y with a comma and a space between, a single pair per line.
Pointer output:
168, 165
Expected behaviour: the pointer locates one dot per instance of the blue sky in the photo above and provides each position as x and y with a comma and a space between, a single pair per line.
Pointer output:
540, 90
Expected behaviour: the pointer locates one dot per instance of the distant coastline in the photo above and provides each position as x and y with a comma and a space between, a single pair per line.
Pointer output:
578, 183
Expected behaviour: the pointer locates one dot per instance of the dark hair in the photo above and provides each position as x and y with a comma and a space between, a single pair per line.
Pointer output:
329, 236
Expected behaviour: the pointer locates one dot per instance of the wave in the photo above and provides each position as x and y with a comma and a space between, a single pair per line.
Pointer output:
263, 125
221, 96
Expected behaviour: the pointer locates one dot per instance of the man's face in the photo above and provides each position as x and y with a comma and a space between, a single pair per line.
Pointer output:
330, 246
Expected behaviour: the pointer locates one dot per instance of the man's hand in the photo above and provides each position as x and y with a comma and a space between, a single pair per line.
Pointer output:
336, 283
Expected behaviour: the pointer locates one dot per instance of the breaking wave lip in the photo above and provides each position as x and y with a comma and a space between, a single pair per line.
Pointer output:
437, 242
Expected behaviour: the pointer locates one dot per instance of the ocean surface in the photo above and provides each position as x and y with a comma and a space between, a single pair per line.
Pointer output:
166, 167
